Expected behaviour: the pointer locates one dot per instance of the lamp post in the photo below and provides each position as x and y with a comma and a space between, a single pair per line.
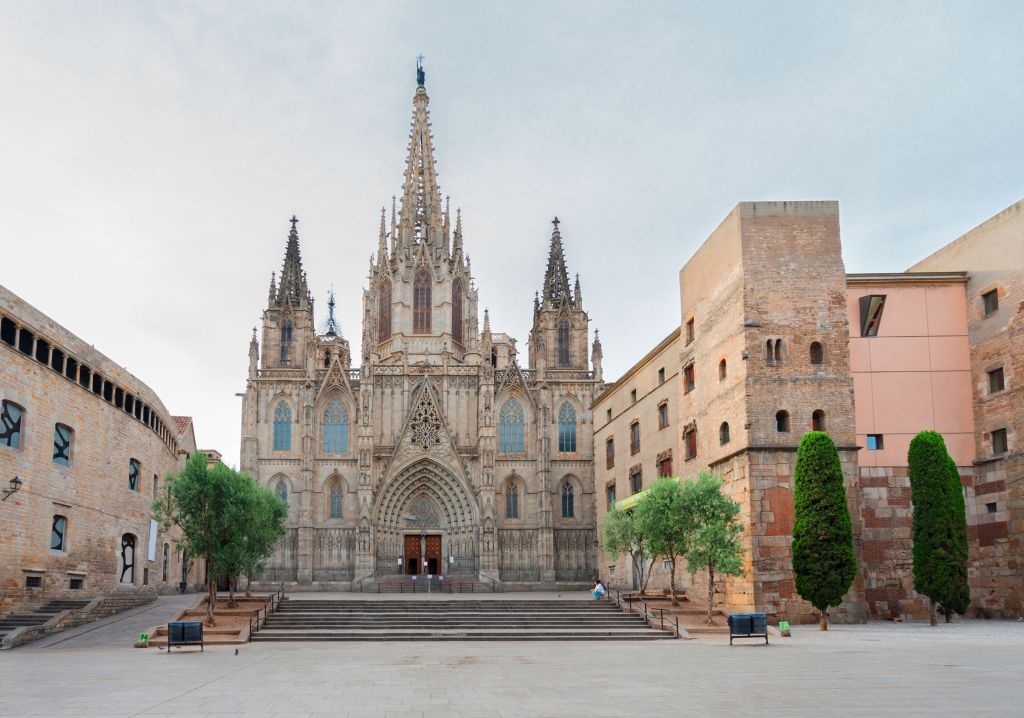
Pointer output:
15, 485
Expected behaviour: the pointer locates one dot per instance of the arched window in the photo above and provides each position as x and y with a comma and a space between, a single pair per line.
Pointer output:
337, 498
818, 420
782, 421
286, 341
511, 427
281, 490
769, 354
62, 444
384, 311
335, 428
568, 500
282, 427
722, 370
567, 428
723, 433
817, 353
167, 559
421, 303
457, 311
778, 350
10, 425
127, 558
512, 499
563, 342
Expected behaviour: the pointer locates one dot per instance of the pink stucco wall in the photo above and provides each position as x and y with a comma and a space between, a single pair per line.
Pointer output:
916, 374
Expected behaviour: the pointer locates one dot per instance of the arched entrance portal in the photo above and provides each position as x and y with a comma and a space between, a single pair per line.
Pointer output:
427, 523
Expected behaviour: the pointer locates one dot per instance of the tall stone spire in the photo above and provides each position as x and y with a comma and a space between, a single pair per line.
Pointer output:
382, 240
293, 287
556, 278
422, 217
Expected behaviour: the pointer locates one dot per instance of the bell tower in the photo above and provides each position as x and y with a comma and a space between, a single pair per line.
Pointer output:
288, 329
558, 339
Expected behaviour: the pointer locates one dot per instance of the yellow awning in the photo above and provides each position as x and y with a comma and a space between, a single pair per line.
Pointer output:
630, 501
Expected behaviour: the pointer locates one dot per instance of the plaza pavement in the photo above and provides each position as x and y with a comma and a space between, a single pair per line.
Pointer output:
879, 669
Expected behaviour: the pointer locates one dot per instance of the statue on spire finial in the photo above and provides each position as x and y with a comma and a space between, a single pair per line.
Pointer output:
556, 221
421, 75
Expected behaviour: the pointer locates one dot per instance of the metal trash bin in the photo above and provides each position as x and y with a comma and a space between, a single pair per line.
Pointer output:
185, 633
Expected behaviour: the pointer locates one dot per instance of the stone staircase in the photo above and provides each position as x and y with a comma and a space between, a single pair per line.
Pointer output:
39, 616
422, 584
466, 619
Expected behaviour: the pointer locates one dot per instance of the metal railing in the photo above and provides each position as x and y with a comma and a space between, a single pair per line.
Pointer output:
259, 618
645, 611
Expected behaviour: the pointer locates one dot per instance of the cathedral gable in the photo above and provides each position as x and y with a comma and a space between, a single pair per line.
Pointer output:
425, 435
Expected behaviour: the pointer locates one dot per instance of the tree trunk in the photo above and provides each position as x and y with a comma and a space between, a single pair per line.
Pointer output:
231, 591
823, 620
932, 613
211, 600
248, 587
672, 581
949, 617
711, 594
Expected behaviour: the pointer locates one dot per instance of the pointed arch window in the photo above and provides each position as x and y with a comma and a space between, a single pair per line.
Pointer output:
421, 302
337, 500
282, 427
568, 500
286, 341
567, 428
512, 499
335, 428
281, 490
127, 558
511, 427
384, 311
563, 342
457, 311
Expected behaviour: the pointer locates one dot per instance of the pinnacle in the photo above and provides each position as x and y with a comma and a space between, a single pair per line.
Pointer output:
556, 277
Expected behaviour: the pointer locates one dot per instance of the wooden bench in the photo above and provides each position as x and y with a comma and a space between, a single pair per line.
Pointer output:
748, 625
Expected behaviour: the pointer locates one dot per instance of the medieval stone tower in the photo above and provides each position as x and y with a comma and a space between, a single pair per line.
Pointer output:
441, 454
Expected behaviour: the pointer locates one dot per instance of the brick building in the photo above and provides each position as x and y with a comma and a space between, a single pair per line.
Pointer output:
91, 446
777, 340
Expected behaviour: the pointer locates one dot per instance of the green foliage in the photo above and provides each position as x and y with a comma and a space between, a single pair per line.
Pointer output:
823, 558
939, 524
713, 533
662, 522
620, 534
224, 517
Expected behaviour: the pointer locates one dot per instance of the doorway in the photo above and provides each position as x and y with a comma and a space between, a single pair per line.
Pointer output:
422, 555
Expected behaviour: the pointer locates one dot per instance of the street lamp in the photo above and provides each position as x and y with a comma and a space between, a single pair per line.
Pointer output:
15, 485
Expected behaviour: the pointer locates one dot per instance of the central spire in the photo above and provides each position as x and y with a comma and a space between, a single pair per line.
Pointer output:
422, 217
293, 286
556, 278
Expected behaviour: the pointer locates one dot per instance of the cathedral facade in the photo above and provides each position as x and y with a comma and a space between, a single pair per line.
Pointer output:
440, 454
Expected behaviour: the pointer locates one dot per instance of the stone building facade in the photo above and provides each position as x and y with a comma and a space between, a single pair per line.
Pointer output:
91, 446
777, 340
440, 453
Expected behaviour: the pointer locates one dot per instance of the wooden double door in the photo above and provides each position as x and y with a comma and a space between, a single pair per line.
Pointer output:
423, 555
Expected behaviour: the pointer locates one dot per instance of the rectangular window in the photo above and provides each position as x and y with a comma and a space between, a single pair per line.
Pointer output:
871, 308
689, 378
689, 330
10, 425
632, 396
690, 442
33, 582
662, 415
661, 375
665, 467
609, 453
62, 444
990, 507
609, 494
634, 438
76, 584
990, 301
608, 414
999, 444
996, 382
58, 534
636, 482
875, 442
133, 474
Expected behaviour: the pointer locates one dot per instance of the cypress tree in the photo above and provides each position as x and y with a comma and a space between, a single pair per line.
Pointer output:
823, 558
939, 525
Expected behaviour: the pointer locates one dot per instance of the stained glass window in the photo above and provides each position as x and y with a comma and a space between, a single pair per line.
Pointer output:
421, 303
563, 343
335, 428
10, 425
282, 427
511, 427
568, 500
567, 428
282, 491
512, 500
62, 444
337, 500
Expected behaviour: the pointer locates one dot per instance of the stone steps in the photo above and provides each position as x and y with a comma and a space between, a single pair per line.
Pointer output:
452, 620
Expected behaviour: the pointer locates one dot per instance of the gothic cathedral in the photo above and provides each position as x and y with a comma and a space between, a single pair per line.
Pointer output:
440, 454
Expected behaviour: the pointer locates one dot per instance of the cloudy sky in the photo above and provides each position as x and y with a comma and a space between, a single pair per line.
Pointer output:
151, 153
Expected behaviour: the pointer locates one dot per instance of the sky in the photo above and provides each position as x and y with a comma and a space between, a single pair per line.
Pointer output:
152, 153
